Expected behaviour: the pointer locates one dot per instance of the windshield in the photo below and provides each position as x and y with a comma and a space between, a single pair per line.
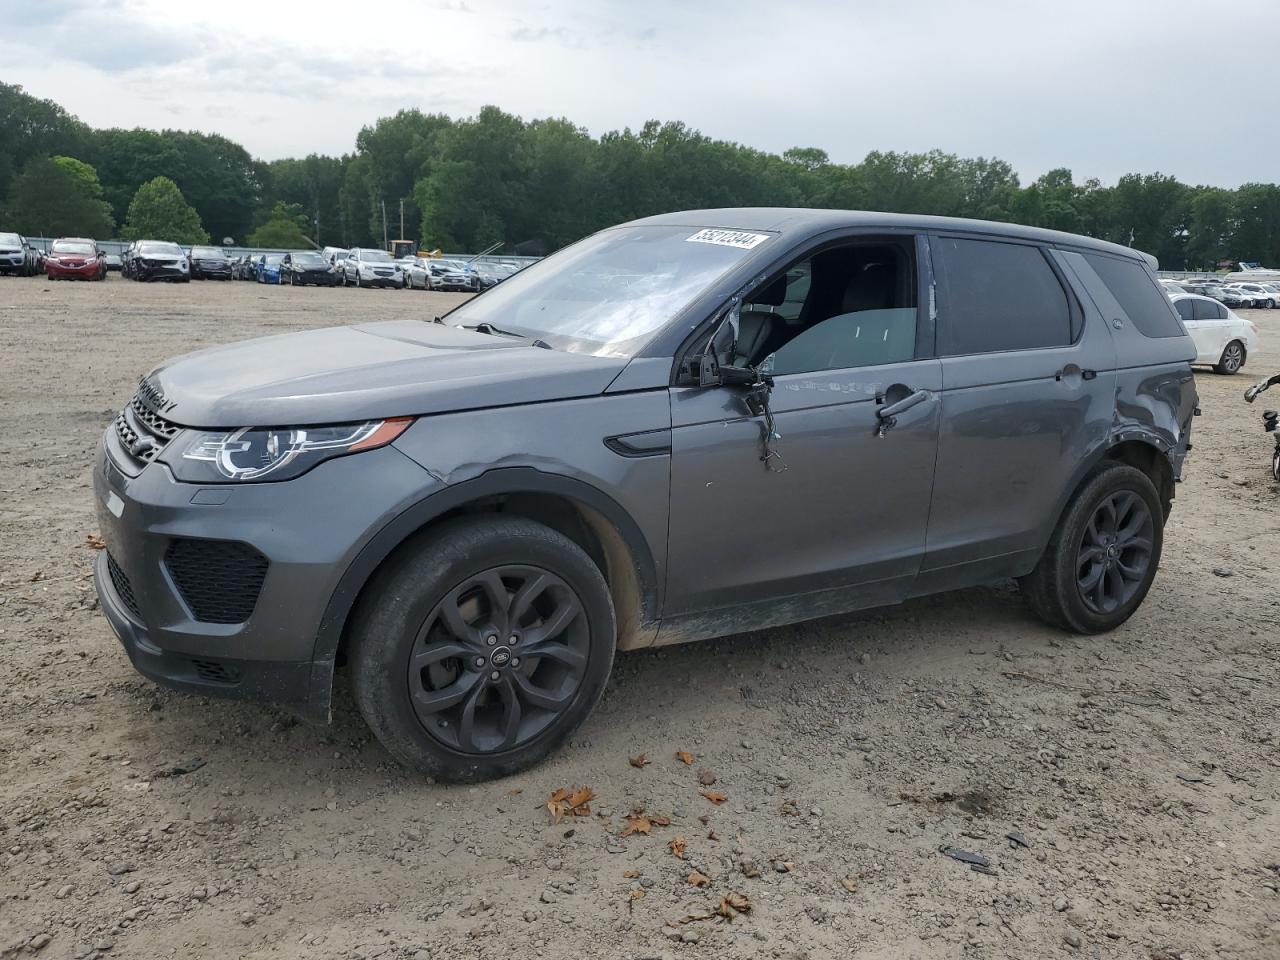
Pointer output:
608, 294
309, 259
207, 253
375, 256
273, 258
10, 240
73, 246
167, 248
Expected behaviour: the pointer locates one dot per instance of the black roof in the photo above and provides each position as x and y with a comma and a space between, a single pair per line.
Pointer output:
797, 222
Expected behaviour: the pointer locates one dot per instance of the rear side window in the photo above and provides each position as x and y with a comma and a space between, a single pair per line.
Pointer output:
1137, 294
996, 297
1207, 310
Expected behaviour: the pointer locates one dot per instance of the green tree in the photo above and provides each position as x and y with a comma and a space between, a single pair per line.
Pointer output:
50, 200
158, 211
285, 228
34, 129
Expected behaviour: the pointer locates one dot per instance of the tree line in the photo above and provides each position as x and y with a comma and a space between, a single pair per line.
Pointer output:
536, 185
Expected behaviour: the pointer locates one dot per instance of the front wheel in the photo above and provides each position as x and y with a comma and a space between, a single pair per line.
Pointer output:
1103, 556
481, 647
1232, 359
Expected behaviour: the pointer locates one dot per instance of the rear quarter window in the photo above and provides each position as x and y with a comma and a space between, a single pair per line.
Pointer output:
1138, 294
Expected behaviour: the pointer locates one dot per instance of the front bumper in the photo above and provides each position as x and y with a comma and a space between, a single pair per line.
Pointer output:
308, 529
84, 271
12, 263
159, 271
376, 280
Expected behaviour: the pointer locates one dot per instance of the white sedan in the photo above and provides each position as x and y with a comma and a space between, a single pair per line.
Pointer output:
1223, 339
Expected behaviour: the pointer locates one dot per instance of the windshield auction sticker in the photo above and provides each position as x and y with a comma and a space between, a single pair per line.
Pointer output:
729, 238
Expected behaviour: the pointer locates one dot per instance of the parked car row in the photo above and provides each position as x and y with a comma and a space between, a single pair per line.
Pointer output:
1260, 295
146, 260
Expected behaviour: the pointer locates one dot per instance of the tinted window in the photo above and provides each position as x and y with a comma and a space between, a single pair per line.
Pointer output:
1185, 309
1205, 310
998, 296
1137, 294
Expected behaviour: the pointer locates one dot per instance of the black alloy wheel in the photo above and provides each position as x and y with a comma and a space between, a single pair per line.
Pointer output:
498, 659
1115, 553
480, 646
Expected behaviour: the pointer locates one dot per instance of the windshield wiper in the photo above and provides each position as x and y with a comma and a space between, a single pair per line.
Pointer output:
484, 326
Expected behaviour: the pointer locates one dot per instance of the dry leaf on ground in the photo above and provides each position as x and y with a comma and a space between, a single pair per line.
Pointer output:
850, 884
733, 904
676, 847
699, 879
713, 796
630, 874
637, 824
639, 761
95, 541
570, 803
637, 894
685, 757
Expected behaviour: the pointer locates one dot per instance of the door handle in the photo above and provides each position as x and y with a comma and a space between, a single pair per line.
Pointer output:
888, 413
1071, 370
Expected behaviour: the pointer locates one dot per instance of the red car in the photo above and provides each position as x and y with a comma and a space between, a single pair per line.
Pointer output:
74, 258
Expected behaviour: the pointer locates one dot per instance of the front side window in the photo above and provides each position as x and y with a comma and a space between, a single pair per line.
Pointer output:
995, 297
848, 306
609, 294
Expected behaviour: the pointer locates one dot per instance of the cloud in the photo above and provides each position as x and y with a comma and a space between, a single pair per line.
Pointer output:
1097, 87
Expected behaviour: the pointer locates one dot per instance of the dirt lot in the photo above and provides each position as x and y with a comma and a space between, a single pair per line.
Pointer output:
1141, 767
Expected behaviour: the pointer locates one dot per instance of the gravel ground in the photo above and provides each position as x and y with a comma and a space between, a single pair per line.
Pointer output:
1138, 769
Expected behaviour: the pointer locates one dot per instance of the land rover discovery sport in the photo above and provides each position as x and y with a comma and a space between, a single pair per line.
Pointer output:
476, 512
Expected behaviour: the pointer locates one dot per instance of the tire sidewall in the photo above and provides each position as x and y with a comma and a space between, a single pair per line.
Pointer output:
405, 594
1106, 482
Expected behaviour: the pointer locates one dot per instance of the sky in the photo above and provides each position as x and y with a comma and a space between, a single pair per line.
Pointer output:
1103, 88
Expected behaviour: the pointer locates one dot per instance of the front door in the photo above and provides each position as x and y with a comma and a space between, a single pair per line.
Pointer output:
831, 513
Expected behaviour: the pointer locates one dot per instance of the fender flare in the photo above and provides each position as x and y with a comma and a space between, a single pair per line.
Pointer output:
492, 483
1151, 438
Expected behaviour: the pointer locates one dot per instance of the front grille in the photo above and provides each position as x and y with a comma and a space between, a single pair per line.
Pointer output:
219, 580
124, 589
142, 432
212, 671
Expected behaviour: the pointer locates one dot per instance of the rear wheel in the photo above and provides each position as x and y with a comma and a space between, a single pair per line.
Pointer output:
1232, 359
1103, 556
481, 647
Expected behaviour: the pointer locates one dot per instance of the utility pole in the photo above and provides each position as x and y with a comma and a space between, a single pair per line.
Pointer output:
402, 218
385, 242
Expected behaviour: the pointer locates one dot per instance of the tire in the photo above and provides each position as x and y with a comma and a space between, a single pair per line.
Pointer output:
1232, 360
1275, 464
358, 283
1060, 589
401, 619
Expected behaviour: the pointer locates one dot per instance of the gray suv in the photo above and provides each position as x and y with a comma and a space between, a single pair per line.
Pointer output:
683, 427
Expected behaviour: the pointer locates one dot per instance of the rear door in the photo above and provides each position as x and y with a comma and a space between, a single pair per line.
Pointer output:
1028, 381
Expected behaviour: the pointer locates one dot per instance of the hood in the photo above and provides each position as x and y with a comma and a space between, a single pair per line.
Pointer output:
367, 372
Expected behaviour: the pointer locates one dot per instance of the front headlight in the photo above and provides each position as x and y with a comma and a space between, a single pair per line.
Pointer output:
277, 453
